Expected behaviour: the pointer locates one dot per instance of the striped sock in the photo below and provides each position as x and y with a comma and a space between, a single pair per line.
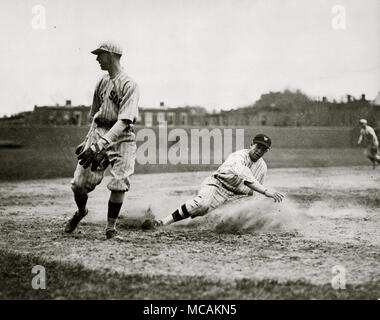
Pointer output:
181, 213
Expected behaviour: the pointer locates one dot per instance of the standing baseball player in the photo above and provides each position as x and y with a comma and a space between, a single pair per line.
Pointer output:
240, 175
371, 143
110, 141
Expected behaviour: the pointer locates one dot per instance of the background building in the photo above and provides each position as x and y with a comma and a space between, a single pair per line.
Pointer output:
275, 109
61, 115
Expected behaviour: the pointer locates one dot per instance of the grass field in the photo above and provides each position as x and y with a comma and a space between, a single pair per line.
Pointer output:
250, 249
30, 163
48, 152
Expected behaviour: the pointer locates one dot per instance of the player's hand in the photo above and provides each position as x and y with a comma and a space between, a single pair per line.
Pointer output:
276, 196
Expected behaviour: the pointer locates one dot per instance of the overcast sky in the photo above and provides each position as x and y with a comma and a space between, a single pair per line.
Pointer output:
219, 54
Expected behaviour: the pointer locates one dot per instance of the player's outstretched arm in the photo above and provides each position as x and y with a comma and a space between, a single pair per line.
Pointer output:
275, 195
360, 139
258, 187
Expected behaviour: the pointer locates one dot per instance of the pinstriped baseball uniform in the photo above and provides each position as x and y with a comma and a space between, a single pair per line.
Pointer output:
227, 183
114, 99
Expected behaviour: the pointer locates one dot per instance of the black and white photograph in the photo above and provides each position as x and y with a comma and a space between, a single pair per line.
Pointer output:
171, 150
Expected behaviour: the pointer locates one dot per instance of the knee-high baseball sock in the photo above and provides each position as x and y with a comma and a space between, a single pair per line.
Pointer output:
81, 201
113, 214
178, 215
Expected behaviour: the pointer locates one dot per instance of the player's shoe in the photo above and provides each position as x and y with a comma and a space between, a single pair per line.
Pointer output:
73, 222
150, 224
111, 233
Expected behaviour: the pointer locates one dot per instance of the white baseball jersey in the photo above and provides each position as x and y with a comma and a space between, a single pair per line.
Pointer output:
116, 99
369, 136
239, 168
226, 183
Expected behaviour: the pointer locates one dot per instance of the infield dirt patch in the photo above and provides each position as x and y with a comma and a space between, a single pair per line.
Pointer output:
250, 249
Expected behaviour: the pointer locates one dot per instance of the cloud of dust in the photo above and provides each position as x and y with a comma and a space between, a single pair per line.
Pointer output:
264, 215
251, 215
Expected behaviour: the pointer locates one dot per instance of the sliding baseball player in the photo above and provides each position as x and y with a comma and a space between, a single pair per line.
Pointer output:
241, 175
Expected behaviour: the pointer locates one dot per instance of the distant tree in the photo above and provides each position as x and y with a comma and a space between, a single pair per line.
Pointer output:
285, 101
196, 109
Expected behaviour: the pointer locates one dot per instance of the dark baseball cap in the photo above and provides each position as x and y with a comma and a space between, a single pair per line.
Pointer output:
263, 140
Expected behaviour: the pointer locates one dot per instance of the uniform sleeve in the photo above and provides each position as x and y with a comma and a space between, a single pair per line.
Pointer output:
97, 99
233, 173
244, 173
261, 172
128, 109
236, 164
234, 159
260, 177
360, 136
374, 137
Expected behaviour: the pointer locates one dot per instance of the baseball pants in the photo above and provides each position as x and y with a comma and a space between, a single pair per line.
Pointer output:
211, 195
121, 156
372, 153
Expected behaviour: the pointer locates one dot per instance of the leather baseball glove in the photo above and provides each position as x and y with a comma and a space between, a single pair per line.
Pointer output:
80, 148
94, 156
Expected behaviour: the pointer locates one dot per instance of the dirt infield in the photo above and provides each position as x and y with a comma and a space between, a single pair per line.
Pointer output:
251, 249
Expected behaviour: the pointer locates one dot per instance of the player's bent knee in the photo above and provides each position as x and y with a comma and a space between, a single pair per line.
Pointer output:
201, 209
80, 190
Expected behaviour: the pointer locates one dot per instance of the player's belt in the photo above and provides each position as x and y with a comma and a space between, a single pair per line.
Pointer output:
108, 124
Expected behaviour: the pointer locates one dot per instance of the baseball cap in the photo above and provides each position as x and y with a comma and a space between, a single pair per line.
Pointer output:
108, 46
364, 121
262, 139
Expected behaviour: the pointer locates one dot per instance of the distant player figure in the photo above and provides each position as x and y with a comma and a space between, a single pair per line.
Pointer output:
369, 139
239, 176
111, 139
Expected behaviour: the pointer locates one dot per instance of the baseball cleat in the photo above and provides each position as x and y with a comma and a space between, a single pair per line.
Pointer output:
149, 224
111, 233
73, 222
